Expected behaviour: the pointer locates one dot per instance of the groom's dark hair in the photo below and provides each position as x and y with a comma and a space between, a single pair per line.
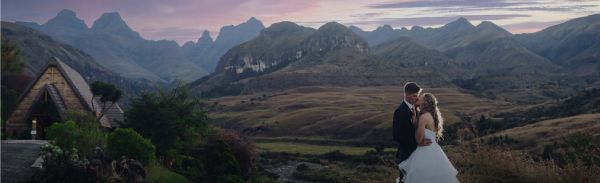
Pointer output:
411, 87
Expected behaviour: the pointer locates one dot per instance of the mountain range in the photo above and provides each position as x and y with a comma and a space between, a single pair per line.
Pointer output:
287, 55
484, 58
571, 44
114, 45
574, 44
37, 48
249, 58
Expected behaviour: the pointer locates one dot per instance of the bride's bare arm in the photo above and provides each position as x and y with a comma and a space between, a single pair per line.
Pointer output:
420, 133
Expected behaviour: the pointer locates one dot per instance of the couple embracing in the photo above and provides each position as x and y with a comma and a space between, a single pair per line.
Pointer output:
417, 127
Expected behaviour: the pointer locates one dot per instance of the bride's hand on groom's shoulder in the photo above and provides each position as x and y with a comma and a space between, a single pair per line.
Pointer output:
425, 142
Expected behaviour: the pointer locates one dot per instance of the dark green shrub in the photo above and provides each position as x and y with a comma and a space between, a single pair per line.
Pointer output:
243, 150
63, 134
170, 119
127, 142
221, 165
89, 133
63, 166
80, 131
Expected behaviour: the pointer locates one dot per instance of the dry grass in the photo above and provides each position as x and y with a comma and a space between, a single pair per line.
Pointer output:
495, 165
338, 112
540, 133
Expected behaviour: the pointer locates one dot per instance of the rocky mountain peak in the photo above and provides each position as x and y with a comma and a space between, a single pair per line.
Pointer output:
416, 28
280, 28
247, 30
205, 38
254, 21
459, 24
334, 35
355, 28
66, 18
489, 26
384, 28
113, 23
332, 26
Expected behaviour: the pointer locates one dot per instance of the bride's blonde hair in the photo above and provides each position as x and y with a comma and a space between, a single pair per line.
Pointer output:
430, 105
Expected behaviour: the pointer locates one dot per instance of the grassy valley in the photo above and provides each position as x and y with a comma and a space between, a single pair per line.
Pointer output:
357, 113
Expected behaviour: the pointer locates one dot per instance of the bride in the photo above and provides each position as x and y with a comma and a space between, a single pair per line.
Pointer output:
428, 163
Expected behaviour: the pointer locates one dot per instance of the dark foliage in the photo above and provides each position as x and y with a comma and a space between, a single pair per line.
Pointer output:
221, 164
11, 57
127, 142
577, 147
128, 170
169, 119
64, 166
243, 149
584, 102
106, 92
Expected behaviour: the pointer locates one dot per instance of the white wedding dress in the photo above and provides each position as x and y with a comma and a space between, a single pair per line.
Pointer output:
428, 164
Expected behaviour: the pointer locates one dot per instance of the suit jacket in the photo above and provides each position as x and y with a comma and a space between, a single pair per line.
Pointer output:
404, 132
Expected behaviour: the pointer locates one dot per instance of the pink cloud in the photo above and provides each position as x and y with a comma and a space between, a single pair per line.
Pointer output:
151, 17
184, 20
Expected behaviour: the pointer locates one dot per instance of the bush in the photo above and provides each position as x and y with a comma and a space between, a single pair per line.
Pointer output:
80, 131
63, 134
575, 148
90, 134
221, 165
63, 166
127, 142
242, 148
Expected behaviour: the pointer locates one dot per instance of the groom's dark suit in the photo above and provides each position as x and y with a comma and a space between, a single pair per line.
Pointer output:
404, 132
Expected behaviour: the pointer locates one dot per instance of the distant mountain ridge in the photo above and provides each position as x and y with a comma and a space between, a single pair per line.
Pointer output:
117, 47
37, 48
206, 52
286, 55
484, 58
573, 44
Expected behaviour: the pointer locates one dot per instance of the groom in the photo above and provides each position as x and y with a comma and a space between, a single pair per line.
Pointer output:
404, 130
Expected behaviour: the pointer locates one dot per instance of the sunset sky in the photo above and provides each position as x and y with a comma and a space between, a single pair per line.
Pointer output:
184, 20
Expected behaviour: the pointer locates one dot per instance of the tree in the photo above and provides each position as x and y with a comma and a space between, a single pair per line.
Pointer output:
169, 119
106, 93
11, 58
11, 67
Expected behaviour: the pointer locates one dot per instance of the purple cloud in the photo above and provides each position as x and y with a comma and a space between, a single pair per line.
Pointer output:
432, 21
153, 18
547, 8
531, 26
448, 3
